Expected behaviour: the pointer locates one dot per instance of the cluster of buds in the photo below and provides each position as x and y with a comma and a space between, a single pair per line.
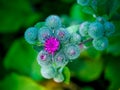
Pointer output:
99, 31
59, 47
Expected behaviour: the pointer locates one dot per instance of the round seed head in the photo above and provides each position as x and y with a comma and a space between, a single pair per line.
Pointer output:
60, 59
53, 22
75, 38
44, 58
96, 30
83, 29
100, 44
43, 34
48, 72
31, 35
72, 51
109, 28
62, 34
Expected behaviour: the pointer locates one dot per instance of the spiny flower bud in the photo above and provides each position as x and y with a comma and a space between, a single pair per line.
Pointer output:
48, 72
59, 78
62, 34
31, 35
44, 58
109, 28
72, 51
100, 43
60, 59
83, 29
75, 38
43, 34
83, 2
53, 22
96, 30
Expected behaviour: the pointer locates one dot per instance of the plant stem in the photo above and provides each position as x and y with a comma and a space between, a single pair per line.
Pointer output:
88, 40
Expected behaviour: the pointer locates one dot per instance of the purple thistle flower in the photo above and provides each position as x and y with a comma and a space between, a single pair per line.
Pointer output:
51, 45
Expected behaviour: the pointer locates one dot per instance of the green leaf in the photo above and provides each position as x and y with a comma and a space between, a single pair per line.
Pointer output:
17, 82
22, 58
35, 72
66, 20
114, 6
39, 24
88, 10
37, 48
66, 73
78, 14
101, 6
15, 15
112, 72
92, 53
114, 47
86, 69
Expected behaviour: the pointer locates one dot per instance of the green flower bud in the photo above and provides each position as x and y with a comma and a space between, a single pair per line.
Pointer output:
83, 29
43, 58
31, 35
100, 43
53, 22
72, 51
60, 59
62, 34
109, 28
48, 72
75, 38
43, 34
96, 30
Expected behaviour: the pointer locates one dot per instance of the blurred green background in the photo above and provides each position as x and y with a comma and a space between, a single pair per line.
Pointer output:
93, 70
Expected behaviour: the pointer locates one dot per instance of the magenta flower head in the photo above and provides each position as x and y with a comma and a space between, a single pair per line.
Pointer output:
51, 45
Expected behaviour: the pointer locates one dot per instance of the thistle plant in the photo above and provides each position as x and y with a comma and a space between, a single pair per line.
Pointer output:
57, 45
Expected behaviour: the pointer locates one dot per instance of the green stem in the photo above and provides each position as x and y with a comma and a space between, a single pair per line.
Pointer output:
88, 40
61, 69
